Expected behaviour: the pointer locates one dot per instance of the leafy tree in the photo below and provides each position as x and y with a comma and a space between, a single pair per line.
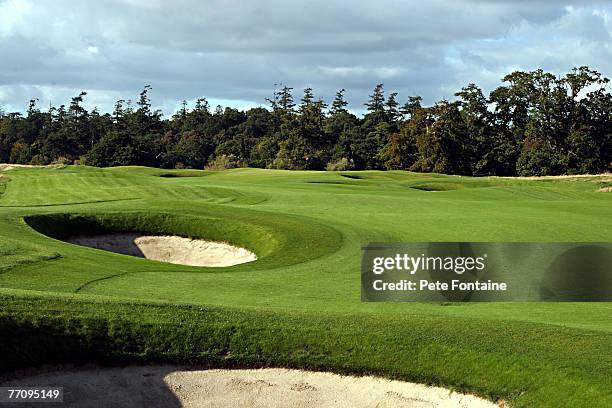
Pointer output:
20, 153
187, 149
401, 152
293, 153
265, 151
247, 134
412, 105
441, 146
114, 149
341, 128
589, 139
479, 145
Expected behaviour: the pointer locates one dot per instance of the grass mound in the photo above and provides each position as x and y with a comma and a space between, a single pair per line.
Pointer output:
62, 226
271, 238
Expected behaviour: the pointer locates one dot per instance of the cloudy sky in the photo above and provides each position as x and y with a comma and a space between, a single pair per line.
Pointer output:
233, 52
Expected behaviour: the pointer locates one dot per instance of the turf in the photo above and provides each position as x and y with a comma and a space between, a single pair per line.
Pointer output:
299, 304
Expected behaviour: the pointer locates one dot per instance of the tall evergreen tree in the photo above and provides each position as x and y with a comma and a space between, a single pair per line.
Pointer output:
339, 104
376, 107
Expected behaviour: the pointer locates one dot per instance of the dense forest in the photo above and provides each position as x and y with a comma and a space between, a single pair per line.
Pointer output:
535, 123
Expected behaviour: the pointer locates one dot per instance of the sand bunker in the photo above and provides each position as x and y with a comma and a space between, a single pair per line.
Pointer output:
599, 177
9, 166
172, 249
168, 386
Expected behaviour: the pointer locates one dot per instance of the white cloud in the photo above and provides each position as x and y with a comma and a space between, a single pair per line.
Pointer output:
12, 16
343, 71
235, 51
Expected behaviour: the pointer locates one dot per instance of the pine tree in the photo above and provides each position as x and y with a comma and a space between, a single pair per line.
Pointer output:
391, 107
285, 100
376, 103
339, 104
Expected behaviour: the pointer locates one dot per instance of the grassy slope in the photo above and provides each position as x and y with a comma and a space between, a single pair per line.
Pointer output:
308, 285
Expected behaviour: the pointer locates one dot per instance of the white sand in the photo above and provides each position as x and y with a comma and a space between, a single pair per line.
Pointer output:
9, 166
600, 177
172, 249
168, 386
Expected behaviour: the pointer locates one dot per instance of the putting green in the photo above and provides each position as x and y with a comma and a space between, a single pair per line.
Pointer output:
299, 304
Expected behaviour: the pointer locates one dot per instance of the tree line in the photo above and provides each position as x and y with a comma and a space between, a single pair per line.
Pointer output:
535, 123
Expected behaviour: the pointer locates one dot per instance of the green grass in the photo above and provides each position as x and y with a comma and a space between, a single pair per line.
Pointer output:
299, 304
3, 182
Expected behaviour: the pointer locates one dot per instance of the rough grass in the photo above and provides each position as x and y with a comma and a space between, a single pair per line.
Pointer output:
3, 181
299, 305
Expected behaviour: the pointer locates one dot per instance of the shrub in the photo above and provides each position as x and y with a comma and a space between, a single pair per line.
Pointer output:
340, 165
40, 160
62, 160
223, 162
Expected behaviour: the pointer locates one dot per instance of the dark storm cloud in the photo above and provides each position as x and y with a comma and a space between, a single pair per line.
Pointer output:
234, 52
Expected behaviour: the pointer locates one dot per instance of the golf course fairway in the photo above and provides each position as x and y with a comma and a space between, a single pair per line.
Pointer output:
298, 305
